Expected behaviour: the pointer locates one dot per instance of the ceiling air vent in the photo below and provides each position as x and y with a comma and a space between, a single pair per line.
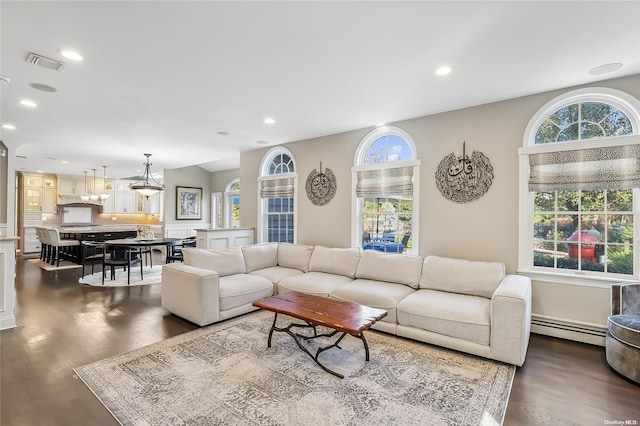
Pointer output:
43, 61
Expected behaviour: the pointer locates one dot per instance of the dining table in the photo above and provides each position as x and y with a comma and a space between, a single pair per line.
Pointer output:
124, 243
141, 242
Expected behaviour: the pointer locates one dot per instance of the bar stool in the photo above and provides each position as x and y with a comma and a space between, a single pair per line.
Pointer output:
60, 247
43, 237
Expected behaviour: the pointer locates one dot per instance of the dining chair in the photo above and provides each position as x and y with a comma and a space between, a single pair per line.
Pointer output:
92, 251
174, 249
120, 255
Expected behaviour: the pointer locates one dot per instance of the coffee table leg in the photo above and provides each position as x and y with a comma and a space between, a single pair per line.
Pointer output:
273, 327
296, 337
366, 346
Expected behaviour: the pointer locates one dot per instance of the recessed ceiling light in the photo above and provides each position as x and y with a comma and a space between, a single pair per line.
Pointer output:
40, 171
28, 103
269, 121
8, 126
70, 54
262, 142
64, 162
443, 70
605, 69
43, 87
223, 133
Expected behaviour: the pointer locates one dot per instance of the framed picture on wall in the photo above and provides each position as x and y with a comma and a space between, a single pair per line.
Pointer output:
188, 203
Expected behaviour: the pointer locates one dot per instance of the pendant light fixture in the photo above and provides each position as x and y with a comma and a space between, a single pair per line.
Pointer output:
94, 196
85, 197
148, 185
104, 195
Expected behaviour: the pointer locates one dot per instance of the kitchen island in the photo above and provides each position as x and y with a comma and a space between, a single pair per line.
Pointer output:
97, 233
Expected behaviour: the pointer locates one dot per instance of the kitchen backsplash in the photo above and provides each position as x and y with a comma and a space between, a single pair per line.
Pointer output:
50, 219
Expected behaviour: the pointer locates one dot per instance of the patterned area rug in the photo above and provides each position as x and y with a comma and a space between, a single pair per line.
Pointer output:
150, 275
225, 375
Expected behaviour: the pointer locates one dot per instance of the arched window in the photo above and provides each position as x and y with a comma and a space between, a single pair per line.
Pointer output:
580, 174
385, 186
277, 192
232, 204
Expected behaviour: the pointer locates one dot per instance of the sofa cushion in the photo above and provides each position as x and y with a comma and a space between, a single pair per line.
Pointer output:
294, 256
394, 268
456, 315
461, 276
242, 289
276, 274
377, 294
260, 256
317, 283
225, 262
339, 261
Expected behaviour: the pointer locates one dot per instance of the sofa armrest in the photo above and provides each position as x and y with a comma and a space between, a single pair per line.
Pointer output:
191, 293
511, 319
625, 299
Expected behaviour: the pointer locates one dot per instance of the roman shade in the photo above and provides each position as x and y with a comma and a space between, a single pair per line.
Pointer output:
276, 188
611, 167
384, 182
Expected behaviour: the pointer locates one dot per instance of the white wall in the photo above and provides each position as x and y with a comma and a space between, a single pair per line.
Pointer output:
485, 229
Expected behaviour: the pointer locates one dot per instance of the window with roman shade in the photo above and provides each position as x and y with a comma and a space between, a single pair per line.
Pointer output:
385, 180
277, 192
580, 164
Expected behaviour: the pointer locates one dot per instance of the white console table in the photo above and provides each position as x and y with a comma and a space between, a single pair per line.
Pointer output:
224, 238
7, 282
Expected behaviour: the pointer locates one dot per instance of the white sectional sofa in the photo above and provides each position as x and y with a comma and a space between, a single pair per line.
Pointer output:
469, 306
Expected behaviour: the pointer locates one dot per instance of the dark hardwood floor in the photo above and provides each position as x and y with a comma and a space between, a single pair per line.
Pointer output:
62, 325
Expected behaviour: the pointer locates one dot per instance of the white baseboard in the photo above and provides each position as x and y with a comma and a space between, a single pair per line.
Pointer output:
593, 334
7, 321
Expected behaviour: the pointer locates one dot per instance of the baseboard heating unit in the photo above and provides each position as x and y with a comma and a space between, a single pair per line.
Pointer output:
578, 331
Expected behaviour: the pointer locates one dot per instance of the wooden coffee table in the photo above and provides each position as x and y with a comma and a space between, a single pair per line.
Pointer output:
342, 317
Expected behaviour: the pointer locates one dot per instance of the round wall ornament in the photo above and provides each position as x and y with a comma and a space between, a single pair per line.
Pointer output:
321, 186
463, 179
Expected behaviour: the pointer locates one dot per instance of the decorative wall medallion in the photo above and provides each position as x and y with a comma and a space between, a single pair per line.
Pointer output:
463, 179
321, 187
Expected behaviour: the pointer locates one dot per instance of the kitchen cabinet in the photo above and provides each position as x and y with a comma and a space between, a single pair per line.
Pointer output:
152, 204
66, 185
121, 199
73, 185
38, 193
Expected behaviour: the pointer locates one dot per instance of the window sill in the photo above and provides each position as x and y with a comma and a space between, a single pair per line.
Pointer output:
576, 279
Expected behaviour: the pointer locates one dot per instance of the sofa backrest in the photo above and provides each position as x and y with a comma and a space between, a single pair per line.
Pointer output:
260, 256
294, 256
390, 267
461, 276
339, 261
227, 261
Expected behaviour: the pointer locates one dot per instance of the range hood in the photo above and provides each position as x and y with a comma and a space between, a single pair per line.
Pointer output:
74, 199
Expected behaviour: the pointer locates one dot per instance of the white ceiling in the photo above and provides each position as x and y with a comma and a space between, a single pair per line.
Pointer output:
165, 77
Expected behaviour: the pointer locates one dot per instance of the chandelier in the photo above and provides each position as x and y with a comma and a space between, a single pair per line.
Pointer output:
148, 185
85, 197
104, 195
94, 196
